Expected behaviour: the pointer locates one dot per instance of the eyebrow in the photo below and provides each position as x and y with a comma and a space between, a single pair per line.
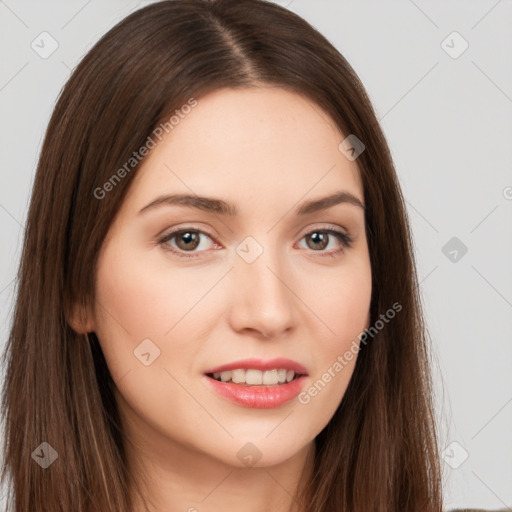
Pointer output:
213, 205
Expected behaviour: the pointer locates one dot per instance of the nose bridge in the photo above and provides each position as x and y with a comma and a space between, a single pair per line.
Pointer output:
262, 300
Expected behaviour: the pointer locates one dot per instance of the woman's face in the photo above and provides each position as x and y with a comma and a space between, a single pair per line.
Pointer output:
269, 281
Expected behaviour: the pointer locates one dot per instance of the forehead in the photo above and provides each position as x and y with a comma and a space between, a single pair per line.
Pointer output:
255, 145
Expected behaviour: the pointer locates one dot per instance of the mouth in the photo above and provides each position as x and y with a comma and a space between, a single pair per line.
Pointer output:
248, 377
257, 383
256, 389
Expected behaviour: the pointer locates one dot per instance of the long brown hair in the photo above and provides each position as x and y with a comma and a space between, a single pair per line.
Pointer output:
379, 450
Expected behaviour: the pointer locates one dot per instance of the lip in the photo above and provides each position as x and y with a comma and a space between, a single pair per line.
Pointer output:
258, 397
260, 364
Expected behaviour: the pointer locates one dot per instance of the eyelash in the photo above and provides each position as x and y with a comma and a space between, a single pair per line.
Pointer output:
346, 241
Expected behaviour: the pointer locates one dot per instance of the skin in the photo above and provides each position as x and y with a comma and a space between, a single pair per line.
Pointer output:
266, 150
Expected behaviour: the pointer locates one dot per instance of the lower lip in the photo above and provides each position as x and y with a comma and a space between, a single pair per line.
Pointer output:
259, 397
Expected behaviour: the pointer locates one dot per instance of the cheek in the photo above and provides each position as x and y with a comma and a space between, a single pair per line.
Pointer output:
341, 301
142, 298
139, 299
132, 305
141, 309
124, 294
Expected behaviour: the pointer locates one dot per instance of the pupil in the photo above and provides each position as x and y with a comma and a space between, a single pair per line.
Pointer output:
187, 238
319, 238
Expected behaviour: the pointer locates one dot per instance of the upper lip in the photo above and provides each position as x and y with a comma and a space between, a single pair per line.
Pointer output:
260, 364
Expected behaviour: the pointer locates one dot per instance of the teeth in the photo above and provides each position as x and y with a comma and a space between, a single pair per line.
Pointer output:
238, 376
270, 377
253, 377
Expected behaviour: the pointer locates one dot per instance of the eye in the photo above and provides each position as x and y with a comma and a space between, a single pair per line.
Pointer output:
320, 239
187, 240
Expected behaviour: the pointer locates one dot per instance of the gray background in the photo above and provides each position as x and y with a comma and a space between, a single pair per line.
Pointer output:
448, 122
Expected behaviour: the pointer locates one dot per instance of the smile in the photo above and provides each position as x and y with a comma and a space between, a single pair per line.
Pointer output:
254, 377
265, 396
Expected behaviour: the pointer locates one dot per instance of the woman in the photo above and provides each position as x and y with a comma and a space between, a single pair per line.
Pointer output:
217, 301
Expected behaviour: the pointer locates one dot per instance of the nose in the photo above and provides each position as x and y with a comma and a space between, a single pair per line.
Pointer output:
262, 298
